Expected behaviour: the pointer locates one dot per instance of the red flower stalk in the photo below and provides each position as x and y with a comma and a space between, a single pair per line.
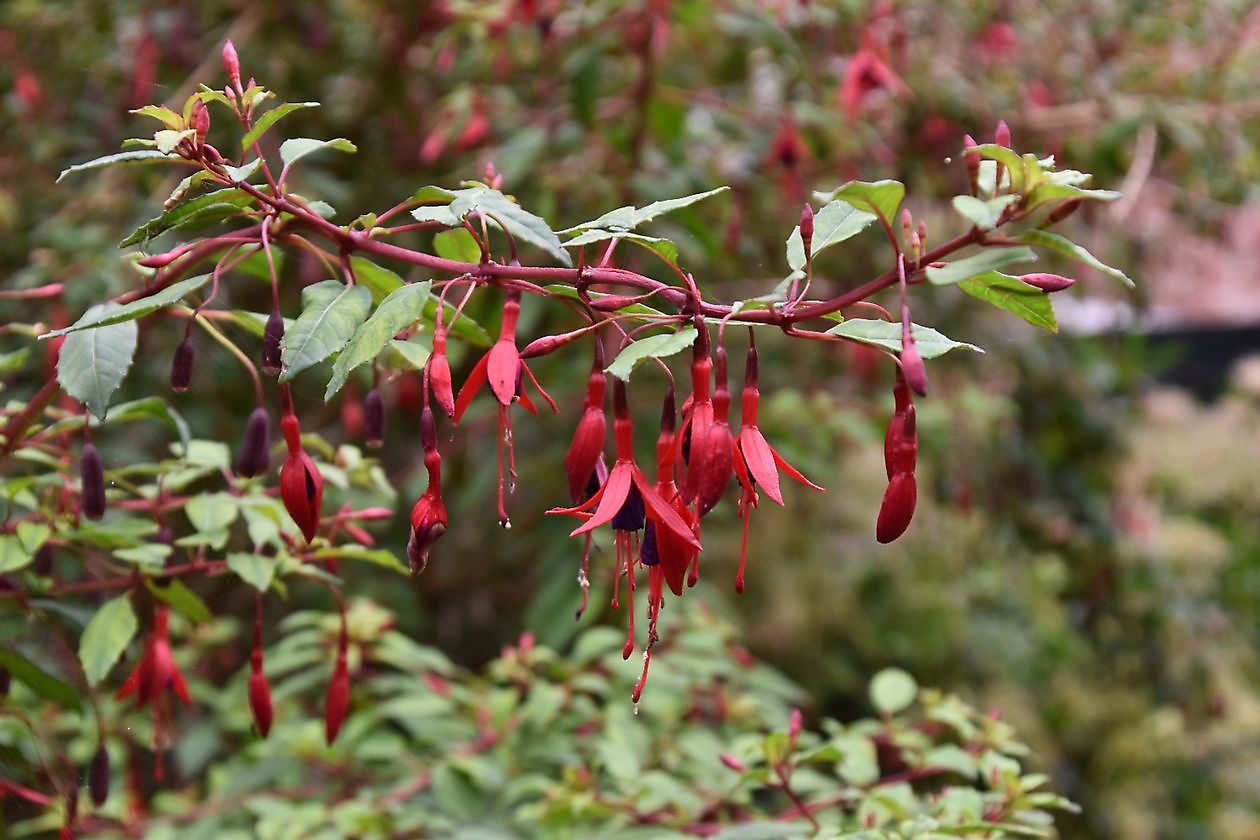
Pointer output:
301, 485
259, 688
337, 703
92, 474
503, 370
428, 517
901, 448
588, 438
757, 464
712, 445
153, 675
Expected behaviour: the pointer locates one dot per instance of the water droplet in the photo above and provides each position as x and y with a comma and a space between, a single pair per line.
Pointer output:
505, 524
636, 708
511, 486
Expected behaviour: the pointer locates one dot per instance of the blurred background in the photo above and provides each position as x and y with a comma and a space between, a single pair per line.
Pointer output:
1086, 555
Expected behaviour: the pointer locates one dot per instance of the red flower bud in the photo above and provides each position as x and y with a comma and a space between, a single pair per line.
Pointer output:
1002, 134
337, 703
912, 363
374, 419
260, 702
92, 474
273, 333
98, 776
428, 517
201, 121
231, 63
181, 365
1047, 282
897, 509
712, 446
439, 373
972, 160
807, 229
588, 439
255, 455
733, 763
1064, 210
301, 485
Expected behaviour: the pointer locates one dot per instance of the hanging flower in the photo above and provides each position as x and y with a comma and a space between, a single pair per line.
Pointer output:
154, 674
301, 485
428, 517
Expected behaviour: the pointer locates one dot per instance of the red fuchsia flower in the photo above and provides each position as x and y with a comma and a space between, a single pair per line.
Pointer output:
757, 464
438, 371
675, 555
503, 370
901, 446
337, 703
592, 428
712, 446
259, 688
153, 675
428, 517
867, 72
301, 485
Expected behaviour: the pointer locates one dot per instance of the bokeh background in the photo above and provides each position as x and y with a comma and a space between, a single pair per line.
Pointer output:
1086, 557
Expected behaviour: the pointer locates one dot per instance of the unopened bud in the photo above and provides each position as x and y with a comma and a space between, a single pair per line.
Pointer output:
907, 224
1047, 282
201, 121
912, 364
255, 454
98, 776
273, 334
972, 160
232, 63
897, 509
181, 366
92, 474
1064, 210
733, 763
43, 563
374, 419
807, 229
1002, 134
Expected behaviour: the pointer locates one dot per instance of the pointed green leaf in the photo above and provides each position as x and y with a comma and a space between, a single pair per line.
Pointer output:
137, 156
630, 217
457, 244
296, 148
879, 197
440, 213
523, 225
664, 247
1050, 191
987, 260
887, 334
106, 637
983, 214
833, 224
14, 555
187, 603
378, 557
167, 139
409, 355
382, 282
1011, 162
45, 686
652, 347
270, 118
241, 174
255, 569
200, 211
103, 316
563, 291
92, 364
211, 512
331, 312
1013, 295
1066, 246
401, 309
162, 114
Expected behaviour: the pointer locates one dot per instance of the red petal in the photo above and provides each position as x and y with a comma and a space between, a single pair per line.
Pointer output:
181, 687
760, 460
612, 496
474, 381
792, 471
555, 409
662, 512
897, 509
503, 362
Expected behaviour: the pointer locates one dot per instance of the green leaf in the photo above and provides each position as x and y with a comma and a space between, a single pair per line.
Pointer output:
45, 686
377, 557
1013, 295
255, 569
211, 512
987, 260
400, 310
983, 214
331, 312
381, 282
833, 224
457, 244
138, 156
270, 118
146, 408
151, 556
879, 197
629, 217
519, 222
892, 690
652, 347
296, 148
410, 355
1066, 246
14, 556
167, 139
106, 637
440, 213
92, 364
162, 114
197, 212
186, 602
664, 247
106, 314
241, 174
765, 830
887, 334
1050, 191
1013, 163
562, 291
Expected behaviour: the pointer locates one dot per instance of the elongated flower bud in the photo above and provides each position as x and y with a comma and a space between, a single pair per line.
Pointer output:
439, 373
301, 485
1048, 282
98, 776
181, 366
201, 121
231, 63
260, 702
912, 363
255, 455
712, 446
374, 419
337, 703
897, 509
92, 474
972, 160
807, 229
1064, 210
1002, 134
428, 517
588, 438
273, 334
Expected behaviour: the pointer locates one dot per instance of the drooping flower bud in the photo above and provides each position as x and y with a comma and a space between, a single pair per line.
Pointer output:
98, 776
439, 374
1047, 282
374, 419
231, 63
260, 702
255, 455
588, 438
912, 363
273, 334
92, 474
337, 703
712, 445
42, 565
181, 365
428, 517
807, 229
301, 485
897, 509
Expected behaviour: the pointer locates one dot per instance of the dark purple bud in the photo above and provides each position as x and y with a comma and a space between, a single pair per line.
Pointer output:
374, 418
92, 474
98, 776
165, 535
273, 333
181, 365
255, 455
43, 563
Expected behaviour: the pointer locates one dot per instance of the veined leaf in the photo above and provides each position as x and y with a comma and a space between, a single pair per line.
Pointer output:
1066, 246
378, 557
833, 224
200, 211
331, 312
1013, 295
630, 217
107, 314
402, 308
1050, 191
255, 569
92, 364
296, 148
887, 334
987, 260
270, 118
136, 156
457, 244
879, 197
162, 114
983, 214
186, 602
652, 347
1011, 162
663, 247
519, 222
106, 637
382, 282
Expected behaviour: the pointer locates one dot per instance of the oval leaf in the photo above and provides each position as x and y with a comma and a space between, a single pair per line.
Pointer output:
887, 334
103, 317
296, 148
270, 118
892, 690
331, 312
106, 637
92, 364
45, 686
987, 260
652, 347
1013, 295
400, 310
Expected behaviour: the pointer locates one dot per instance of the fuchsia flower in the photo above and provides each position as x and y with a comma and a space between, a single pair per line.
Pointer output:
337, 703
706, 432
301, 485
592, 428
428, 517
153, 675
669, 550
901, 446
503, 370
259, 688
